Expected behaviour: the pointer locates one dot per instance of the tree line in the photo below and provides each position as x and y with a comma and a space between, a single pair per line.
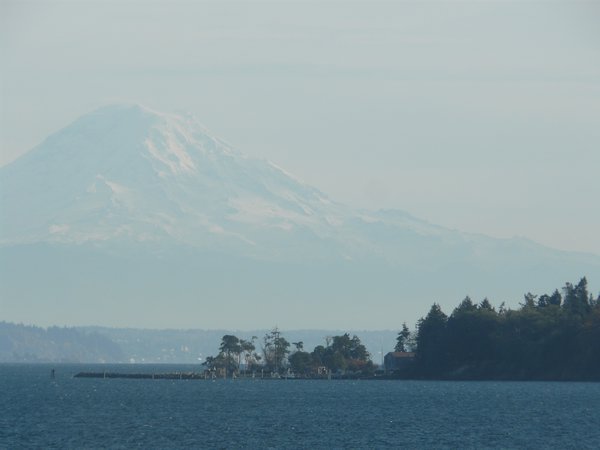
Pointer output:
341, 355
549, 337
552, 336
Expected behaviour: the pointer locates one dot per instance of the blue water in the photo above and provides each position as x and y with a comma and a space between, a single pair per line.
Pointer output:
67, 412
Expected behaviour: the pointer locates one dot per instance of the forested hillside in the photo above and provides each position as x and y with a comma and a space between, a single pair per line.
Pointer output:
549, 337
22, 343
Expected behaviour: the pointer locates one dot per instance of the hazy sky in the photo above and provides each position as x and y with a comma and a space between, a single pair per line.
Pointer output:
481, 116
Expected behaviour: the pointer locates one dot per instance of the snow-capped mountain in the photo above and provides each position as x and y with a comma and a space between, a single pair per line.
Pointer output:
130, 183
130, 172
126, 172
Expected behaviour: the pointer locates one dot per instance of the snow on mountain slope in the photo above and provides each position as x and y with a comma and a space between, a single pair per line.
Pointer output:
135, 218
128, 172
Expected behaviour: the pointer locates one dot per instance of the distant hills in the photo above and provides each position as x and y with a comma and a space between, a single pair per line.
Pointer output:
21, 343
133, 218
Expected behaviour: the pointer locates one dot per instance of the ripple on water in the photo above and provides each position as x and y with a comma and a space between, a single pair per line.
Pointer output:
120, 413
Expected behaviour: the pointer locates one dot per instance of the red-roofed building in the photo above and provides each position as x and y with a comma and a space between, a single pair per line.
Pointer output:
397, 360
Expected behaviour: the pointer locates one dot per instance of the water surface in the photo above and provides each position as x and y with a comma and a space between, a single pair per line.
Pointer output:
67, 412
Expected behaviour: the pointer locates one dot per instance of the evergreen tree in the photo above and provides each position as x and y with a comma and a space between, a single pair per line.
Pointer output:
576, 299
544, 339
486, 305
431, 342
402, 341
466, 305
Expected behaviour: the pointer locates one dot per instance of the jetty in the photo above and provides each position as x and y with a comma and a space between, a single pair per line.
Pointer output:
207, 375
148, 376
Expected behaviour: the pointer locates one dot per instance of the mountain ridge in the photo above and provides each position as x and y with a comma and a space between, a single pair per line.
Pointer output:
126, 183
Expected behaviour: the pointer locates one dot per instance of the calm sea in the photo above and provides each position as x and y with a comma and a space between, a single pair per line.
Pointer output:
39, 412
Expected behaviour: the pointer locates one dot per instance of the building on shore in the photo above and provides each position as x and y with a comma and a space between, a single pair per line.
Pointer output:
394, 361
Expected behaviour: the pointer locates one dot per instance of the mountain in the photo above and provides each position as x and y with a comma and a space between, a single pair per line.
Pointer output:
129, 174
132, 217
125, 172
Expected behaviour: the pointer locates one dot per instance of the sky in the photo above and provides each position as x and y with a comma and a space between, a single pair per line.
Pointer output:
480, 116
